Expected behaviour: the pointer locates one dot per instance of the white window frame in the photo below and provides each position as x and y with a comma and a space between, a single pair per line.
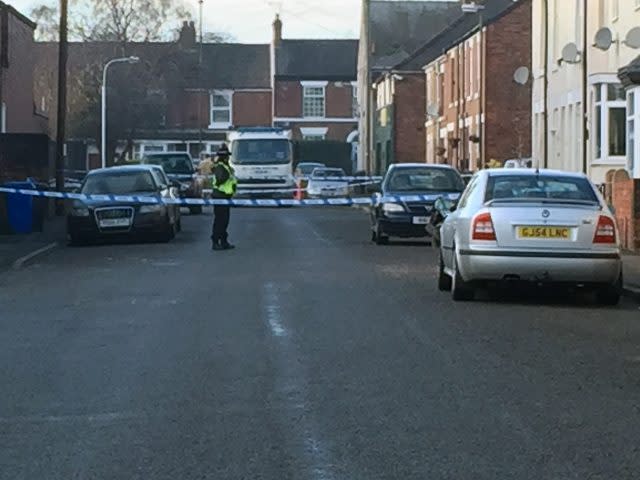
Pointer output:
3, 121
633, 141
314, 133
220, 125
606, 106
355, 104
315, 85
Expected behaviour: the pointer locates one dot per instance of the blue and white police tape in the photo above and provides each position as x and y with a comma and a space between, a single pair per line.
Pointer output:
240, 202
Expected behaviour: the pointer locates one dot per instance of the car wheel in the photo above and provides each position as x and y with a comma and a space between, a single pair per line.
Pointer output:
195, 209
444, 281
609, 295
461, 291
380, 238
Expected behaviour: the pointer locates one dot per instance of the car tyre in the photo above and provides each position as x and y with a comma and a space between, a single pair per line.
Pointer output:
445, 282
609, 295
461, 291
380, 238
195, 209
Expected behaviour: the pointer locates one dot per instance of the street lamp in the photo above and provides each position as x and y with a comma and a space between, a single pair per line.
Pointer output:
129, 60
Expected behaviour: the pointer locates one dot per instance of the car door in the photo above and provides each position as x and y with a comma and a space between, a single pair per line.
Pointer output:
451, 223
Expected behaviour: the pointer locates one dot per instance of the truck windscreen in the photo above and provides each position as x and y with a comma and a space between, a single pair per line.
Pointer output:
261, 152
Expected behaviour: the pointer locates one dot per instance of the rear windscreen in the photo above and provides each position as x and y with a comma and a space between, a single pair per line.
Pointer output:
532, 187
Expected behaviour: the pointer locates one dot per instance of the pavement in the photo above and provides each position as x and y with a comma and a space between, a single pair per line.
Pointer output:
632, 275
18, 250
306, 353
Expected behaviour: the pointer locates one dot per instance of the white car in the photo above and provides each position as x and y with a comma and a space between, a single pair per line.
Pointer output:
328, 182
540, 226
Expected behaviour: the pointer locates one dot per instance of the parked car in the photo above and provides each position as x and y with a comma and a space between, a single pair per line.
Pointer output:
328, 182
179, 168
409, 218
91, 219
305, 169
540, 226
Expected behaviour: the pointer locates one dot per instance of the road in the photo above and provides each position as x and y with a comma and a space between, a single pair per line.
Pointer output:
307, 353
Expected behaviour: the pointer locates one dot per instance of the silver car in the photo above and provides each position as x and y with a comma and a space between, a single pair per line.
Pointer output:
328, 182
540, 226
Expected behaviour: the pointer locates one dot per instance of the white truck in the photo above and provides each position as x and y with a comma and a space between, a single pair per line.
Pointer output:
263, 162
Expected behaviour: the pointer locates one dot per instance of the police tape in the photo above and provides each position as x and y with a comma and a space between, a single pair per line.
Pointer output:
235, 202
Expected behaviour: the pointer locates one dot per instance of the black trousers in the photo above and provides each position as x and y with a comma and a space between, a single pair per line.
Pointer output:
221, 216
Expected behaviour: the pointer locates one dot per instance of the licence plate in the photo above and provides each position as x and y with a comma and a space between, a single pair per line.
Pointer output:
115, 222
547, 233
420, 220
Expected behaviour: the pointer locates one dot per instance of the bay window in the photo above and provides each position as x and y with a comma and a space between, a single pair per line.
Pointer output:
633, 132
610, 118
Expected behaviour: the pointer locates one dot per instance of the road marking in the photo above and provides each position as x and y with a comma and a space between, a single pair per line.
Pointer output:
272, 310
19, 263
292, 387
88, 417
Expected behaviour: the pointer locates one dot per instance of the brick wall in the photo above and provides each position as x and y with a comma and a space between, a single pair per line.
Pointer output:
252, 109
18, 81
409, 113
288, 98
508, 104
249, 109
626, 201
339, 100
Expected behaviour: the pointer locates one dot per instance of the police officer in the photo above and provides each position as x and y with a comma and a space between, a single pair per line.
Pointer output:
224, 187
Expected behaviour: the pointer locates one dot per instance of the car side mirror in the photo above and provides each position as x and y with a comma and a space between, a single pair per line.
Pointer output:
453, 207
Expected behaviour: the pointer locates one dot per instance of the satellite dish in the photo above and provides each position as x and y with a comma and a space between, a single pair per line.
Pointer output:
633, 38
433, 110
604, 39
521, 75
570, 53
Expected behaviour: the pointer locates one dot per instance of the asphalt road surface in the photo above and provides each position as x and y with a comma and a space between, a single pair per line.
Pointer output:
308, 354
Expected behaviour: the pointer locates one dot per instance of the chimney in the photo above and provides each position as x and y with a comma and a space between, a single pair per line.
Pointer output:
277, 31
187, 37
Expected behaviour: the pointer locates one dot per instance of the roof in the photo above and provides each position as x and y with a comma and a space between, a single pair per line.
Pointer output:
225, 65
460, 27
23, 18
414, 165
124, 168
317, 59
531, 171
398, 28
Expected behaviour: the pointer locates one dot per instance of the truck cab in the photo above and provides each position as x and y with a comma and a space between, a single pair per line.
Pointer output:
263, 161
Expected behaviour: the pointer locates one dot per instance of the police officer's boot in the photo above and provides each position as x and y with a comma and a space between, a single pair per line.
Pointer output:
227, 246
217, 245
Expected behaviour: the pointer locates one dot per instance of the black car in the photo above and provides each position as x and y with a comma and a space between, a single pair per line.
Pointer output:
100, 216
179, 168
408, 218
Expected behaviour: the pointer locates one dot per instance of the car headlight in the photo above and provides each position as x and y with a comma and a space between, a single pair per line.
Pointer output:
392, 208
161, 209
79, 209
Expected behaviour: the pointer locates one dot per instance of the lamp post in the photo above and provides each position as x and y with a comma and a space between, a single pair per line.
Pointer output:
477, 7
130, 60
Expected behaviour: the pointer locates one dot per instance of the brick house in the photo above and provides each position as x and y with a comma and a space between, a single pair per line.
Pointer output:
476, 110
195, 93
390, 32
18, 112
314, 87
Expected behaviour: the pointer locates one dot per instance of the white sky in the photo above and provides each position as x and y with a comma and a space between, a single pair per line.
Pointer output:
249, 21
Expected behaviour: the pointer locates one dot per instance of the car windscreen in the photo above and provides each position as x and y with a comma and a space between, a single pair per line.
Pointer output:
119, 183
540, 187
321, 174
308, 168
424, 179
179, 164
261, 152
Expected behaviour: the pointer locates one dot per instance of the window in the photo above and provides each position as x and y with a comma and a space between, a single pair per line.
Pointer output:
633, 129
221, 106
313, 103
610, 122
3, 120
355, 111
314, 133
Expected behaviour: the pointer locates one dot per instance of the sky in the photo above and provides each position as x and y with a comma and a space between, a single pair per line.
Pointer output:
249, 21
